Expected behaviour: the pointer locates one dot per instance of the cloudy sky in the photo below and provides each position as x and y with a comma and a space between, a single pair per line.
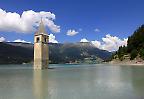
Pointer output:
105, 23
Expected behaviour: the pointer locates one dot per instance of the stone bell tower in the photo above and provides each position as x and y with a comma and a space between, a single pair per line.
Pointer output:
41, 56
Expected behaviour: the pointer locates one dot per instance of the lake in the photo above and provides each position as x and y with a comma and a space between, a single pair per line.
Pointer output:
97, 81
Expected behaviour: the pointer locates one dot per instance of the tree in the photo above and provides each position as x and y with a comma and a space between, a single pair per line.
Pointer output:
133, 54
141, 53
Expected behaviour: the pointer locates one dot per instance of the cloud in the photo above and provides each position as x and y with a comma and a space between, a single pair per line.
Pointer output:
96, 43
19, 40
27, 21
84, 40
97, 30
2, 39
52, 39
109, 43
112, 43
72, 32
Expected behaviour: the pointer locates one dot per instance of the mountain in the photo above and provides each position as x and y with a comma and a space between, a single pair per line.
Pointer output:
10, 54
17, 53
134, 48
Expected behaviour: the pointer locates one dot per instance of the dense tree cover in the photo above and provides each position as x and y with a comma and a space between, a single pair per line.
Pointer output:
135, 45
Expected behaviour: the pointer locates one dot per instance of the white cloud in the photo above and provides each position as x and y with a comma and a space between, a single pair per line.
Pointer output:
2, 39
52, 39
72, 32
84, 40
19, 40
26, 22
97, 30
112, 43
109, 43
96, 43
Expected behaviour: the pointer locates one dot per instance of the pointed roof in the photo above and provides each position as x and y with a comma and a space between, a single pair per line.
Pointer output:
41, 28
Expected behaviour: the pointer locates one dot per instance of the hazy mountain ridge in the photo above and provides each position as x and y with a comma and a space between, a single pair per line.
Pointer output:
13, 53
10, 54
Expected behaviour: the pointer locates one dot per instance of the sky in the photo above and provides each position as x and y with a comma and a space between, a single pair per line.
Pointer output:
104, 23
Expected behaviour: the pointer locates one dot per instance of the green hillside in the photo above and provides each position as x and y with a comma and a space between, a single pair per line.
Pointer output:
135, 46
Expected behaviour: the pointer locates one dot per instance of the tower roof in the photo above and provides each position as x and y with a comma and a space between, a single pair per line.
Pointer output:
41, 28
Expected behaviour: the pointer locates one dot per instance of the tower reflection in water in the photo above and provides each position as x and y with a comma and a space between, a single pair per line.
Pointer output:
40, 84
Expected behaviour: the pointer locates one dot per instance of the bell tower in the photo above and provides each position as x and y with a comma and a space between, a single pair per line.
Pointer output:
41, 56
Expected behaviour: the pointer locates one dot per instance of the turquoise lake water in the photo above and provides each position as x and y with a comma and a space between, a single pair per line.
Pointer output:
97, 81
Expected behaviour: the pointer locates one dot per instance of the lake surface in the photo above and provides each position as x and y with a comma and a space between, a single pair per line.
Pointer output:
72, 82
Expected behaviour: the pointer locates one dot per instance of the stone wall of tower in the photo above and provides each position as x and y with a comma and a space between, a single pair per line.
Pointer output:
45, 56
41, 56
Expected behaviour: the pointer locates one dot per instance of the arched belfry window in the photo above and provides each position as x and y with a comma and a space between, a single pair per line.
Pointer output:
45, 39
37, 39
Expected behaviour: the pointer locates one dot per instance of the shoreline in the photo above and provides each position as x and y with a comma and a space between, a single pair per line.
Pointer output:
127, 62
